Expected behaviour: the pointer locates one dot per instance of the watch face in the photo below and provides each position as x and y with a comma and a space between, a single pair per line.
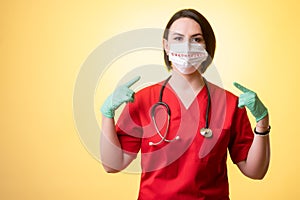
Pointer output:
206, 132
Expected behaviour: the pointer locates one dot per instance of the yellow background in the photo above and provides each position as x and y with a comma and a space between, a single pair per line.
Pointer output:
43, 44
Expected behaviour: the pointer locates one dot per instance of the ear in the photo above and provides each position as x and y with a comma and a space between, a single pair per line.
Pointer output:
166, 46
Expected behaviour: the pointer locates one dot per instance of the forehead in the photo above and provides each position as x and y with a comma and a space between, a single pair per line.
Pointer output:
186, 26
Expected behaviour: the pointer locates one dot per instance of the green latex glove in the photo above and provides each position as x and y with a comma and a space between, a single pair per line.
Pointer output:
121, 95
252, 102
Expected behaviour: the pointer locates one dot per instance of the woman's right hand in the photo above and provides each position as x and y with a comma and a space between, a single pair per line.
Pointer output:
121, 95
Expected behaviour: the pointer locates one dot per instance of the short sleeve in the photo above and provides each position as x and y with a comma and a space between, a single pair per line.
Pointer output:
129, 129
241, 136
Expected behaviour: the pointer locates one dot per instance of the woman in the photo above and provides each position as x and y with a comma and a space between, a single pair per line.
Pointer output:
185, 158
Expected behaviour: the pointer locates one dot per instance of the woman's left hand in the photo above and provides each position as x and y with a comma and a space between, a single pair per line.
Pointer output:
252, 102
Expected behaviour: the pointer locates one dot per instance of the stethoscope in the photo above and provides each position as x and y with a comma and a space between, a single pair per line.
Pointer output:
205, 132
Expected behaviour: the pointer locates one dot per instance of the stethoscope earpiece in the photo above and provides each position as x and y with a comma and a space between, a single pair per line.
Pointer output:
150, 143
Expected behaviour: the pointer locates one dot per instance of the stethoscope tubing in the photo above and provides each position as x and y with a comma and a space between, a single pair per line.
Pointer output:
206, 131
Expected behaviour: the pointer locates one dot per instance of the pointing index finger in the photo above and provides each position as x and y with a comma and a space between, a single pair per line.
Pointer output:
133, 81
240, 87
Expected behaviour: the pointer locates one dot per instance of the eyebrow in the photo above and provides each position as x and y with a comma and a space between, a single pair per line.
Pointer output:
197, 34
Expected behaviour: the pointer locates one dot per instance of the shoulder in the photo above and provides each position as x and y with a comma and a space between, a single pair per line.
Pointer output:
149, 90
147, 95
226, 102
221, 93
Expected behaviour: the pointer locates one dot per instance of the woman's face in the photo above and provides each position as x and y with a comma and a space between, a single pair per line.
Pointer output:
183, 30
185, 46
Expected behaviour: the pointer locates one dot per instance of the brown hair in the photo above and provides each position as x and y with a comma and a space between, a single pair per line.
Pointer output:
208, 35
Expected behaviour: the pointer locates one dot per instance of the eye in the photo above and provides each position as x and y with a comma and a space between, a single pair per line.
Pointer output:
198, 39
178, 38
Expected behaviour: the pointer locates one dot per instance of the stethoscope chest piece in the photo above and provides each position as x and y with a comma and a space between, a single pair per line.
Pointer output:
206, 132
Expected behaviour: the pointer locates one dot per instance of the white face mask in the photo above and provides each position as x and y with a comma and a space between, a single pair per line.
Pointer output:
187, 57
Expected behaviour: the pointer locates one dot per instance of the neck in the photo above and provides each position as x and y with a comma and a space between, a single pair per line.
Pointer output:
193, 81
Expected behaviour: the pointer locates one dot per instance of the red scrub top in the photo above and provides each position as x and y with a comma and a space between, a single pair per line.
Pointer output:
192, 167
